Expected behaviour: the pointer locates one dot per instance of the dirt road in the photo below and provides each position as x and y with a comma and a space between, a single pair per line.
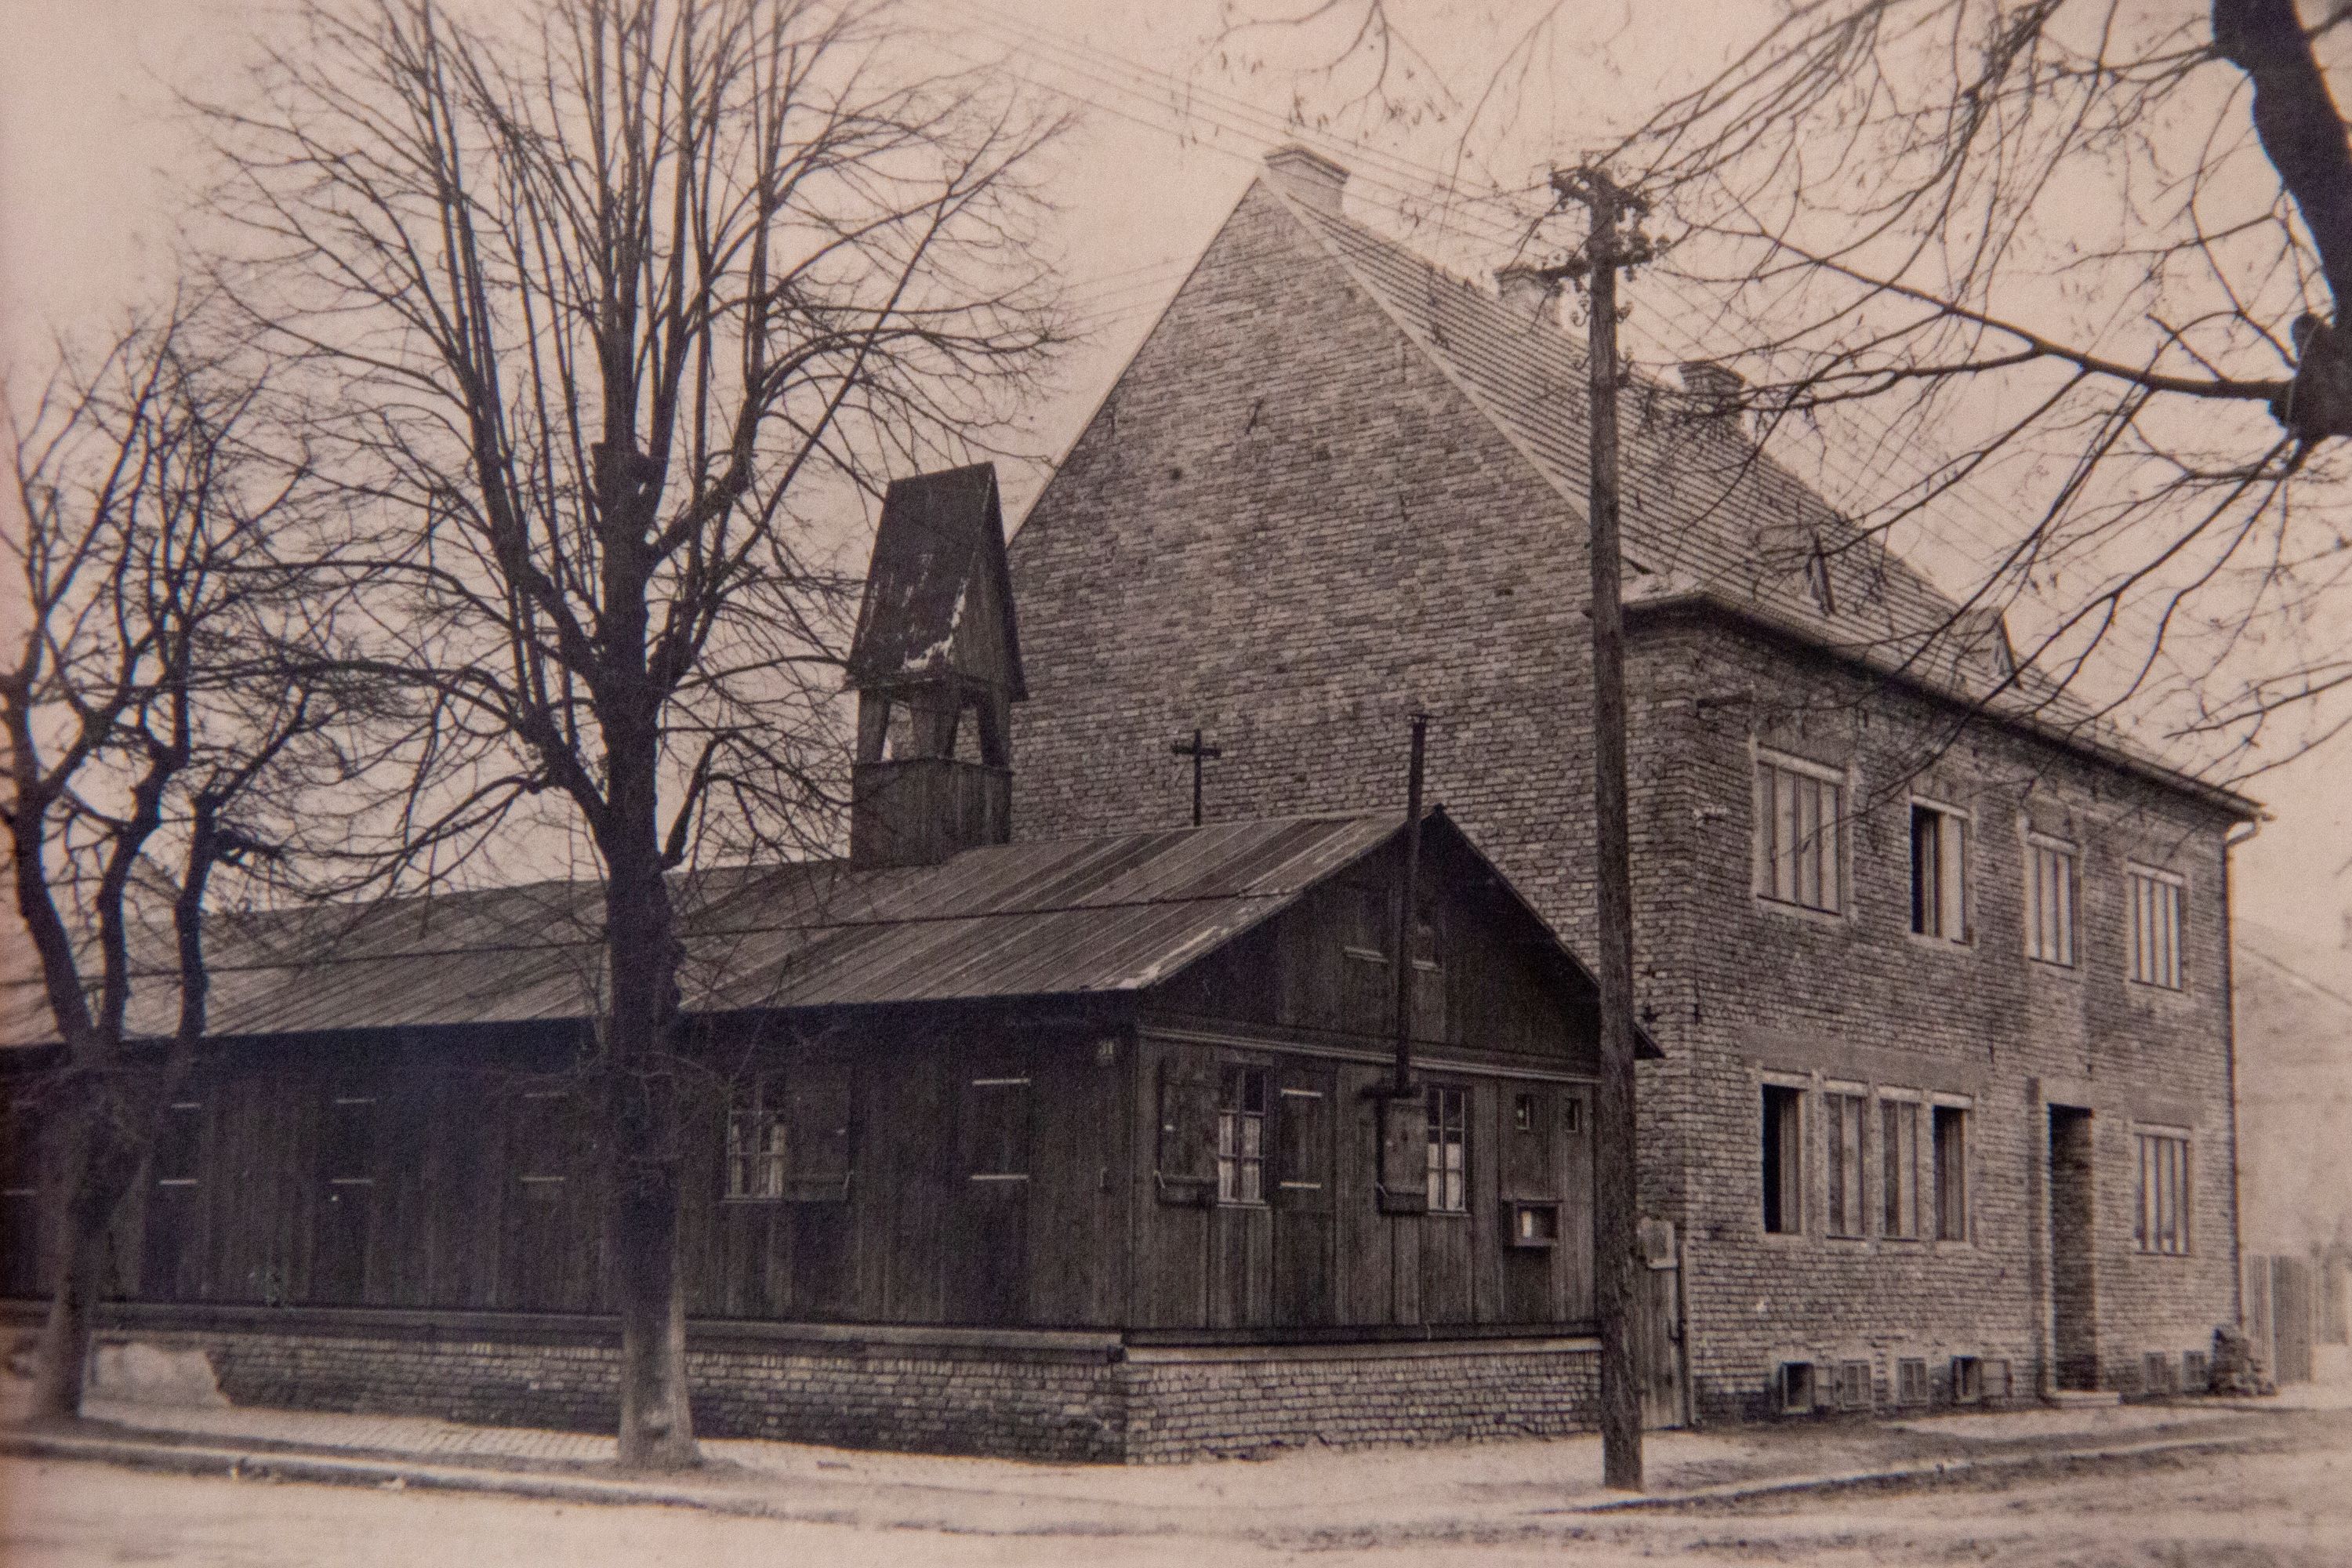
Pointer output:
2287, 1502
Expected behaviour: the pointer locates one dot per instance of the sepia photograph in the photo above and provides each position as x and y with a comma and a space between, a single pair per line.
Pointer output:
1176, 782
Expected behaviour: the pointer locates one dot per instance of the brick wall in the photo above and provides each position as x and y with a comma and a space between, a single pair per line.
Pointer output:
1288, 526
1030, 1396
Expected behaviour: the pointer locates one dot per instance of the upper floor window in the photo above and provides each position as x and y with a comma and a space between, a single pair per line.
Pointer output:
2154, 899
1449, 1133
1938, 873
2162, 1224
1800, 837
1241, 1134
2048, 899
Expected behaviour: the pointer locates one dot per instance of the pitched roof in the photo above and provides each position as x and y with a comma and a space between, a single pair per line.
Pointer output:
1708, 517
939, 557
1062, 918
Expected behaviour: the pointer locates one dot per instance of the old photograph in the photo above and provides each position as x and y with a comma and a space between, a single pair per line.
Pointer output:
1213, 781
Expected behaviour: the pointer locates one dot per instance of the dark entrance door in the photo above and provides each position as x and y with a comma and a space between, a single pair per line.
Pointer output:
2073, 1278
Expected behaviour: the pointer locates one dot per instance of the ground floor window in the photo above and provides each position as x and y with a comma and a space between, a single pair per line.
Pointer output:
1951, 1134
1784, 1143
1898, 1146
1843, 1114
2163, 1222
1241, 1134
1449, 1132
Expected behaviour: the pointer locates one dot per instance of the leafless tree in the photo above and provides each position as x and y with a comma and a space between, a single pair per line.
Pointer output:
2069, 263
608, 314
164, 713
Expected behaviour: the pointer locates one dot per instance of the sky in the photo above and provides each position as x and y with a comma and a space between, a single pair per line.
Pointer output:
96, 160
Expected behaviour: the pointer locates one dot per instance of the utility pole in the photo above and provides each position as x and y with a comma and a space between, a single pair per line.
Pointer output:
1611, 243
1408, 906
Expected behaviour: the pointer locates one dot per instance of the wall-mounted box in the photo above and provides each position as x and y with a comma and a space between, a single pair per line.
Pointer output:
1530, 1222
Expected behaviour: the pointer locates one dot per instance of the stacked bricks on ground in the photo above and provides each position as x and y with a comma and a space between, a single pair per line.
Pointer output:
1290, 525
1072, 1397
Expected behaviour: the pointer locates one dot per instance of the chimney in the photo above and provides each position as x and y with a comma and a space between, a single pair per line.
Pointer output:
936, 664
1527, 292
1309, 177
1713, 391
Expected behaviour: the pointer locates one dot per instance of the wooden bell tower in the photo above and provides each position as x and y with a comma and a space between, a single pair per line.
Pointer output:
936, 664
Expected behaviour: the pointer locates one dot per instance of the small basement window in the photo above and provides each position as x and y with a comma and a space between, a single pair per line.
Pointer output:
1967, 1379
1911, 1381
1795, 1387
1784, 1162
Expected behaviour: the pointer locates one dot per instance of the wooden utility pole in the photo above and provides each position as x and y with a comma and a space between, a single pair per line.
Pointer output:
1407, 905
1612, 244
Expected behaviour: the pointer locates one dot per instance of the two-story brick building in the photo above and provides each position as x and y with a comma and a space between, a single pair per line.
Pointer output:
1939, 966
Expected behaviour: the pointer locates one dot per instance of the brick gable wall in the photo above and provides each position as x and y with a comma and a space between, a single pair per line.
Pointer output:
1288, 527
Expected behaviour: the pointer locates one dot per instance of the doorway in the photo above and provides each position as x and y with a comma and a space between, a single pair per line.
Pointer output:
2073, 1277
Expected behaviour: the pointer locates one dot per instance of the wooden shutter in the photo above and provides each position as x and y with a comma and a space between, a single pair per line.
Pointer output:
817, 1115
1302, 1137
996, 1127
1404, 1154
1188, 1131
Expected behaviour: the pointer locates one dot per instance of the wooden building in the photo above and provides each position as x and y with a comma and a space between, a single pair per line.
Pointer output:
1087, 1147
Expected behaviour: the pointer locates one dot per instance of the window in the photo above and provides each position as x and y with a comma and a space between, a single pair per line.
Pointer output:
2155, 901
757, 1148
1951, 1135
1784, 1164
351, 1140
1938, 873
1854, 1390
2048, 899
1241, 1134
1449, 1120
1302, 1132
1898, 1157
2195, 1371
1843, 1114
996, 1130
1967, 1379
2155, 1372
2163, 1222
1911, 1381
1799, 835
178, 1142
542, 1139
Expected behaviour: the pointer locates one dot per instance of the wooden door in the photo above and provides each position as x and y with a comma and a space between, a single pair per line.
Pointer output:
1659, 1326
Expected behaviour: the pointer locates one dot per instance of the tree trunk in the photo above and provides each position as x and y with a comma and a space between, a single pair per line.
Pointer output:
657, 1421
89, 1189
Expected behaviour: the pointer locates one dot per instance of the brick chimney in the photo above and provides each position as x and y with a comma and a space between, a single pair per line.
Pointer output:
1308, 176
1527, 292
1712, 393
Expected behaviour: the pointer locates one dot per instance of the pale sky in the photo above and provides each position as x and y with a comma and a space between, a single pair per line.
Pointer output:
94, 163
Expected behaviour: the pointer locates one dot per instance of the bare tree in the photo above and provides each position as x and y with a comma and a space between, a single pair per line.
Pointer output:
160, 716
2061, 277
608, 310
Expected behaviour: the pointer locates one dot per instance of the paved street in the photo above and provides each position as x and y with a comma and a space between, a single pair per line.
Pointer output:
2283, 1496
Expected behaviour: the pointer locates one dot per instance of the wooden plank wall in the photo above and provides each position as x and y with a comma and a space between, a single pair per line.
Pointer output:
423, 1178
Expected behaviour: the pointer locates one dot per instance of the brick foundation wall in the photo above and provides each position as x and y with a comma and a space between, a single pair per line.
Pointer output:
1071, 1397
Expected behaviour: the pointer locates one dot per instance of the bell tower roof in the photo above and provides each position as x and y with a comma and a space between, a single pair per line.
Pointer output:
939, 597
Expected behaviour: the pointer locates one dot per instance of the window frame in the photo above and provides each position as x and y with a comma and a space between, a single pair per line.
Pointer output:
1846, 1166
773, 1156
1950, 1199
1901, 1209
171, 1139
2137, 874
2157, 1232
1836, 880
2065, 951
1956, 829
1444, 1180
1238, 1128
1783, 1120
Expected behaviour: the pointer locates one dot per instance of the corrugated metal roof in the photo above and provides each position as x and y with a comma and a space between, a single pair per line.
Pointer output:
1062, 917
1706, 512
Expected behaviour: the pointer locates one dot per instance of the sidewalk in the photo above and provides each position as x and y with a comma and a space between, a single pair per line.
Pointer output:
1295, 1495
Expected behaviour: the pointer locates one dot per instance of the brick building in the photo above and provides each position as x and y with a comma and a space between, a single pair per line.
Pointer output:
1939, 966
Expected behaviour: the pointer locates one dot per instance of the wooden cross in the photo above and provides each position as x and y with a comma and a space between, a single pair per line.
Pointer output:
1200, 753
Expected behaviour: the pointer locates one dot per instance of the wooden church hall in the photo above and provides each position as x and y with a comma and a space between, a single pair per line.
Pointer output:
1087, 1147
